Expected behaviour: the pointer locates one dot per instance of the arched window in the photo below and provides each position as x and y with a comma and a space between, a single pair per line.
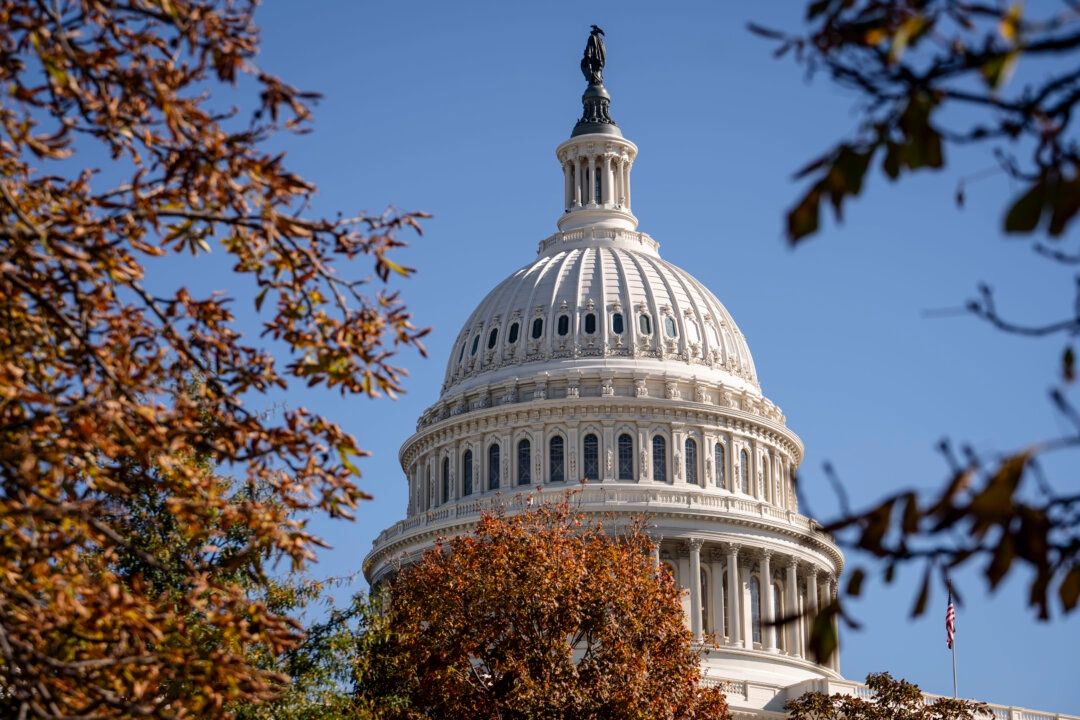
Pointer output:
645, 324
590, 323
556, 458
744, 472
727, 610
765, 487
493, 467
691, 461
597, 184
524, 462
513, 334
429, 489
705, 629
659, 458
755, 609
591, 464
492, 337
446, 480
616, 324
466, 473
626, 457
669, 327
461, 355
720, 461
778, 612
475, 344
537, 328
564, 325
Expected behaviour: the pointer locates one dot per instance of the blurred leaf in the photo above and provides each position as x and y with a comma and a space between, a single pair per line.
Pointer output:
1069, 592
1024, 215
997, 71
803, 219
854, 586
924, 594
1068, 365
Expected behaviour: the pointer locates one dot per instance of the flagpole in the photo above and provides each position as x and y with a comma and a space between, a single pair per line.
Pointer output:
954, 668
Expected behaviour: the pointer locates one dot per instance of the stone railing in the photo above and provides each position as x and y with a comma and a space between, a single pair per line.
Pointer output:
600, 498
1000, 712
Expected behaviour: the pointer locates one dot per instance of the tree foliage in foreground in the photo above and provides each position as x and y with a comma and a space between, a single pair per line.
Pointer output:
544, 613
95, 411
931, 75
892, 700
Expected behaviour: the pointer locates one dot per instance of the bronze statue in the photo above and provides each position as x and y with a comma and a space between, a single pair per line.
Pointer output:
592, 65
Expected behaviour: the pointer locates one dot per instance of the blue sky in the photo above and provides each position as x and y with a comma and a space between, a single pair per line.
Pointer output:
456, 109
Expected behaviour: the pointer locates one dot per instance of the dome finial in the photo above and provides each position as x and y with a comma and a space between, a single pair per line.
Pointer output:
595, 117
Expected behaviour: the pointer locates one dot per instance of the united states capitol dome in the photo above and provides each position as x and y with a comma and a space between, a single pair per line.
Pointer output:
602, 368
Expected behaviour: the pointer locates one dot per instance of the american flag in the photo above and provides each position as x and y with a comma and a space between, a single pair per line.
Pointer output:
950, 621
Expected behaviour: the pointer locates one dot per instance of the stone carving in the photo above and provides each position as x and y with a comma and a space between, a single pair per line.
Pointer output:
540, 393
610, 461
573, 464
678, 465
643, 468
573, 391
608, 388
701, 394
708, 468
672, 390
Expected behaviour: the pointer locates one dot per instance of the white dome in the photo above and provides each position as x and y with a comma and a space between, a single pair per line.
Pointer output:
600, 298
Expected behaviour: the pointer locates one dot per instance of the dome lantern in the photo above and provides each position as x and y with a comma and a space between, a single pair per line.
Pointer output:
596, 160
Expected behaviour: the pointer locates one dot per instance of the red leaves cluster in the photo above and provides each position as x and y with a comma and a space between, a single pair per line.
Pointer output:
95, 366
545, 613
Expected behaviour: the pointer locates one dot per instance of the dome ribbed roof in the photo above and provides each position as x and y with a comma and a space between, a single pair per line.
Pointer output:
600, 298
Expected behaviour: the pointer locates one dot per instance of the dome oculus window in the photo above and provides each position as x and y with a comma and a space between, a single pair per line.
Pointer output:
564, 325
475, 345
513, 337
461, 355
590, 323
645, 324
669, 327
616, 324
537, 328
492, 337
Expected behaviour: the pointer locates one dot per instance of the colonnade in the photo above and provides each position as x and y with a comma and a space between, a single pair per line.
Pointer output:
738, 608
598, 180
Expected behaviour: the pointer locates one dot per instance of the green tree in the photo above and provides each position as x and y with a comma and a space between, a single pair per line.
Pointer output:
544, 613
931, 75
892, 700
98, 618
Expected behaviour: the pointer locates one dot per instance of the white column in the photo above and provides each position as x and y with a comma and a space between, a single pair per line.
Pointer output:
590, 192
735, 631
811, 607
768, 634
718, 594
656, 552
568, 185
626, 184
834, 662
694, 544
794, 644
579, 180
609, 182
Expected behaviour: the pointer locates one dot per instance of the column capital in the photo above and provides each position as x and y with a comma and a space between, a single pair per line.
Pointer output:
694, 544
733, 548
792, 562
765, 553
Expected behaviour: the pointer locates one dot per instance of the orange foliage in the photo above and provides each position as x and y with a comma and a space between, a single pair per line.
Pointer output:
95, 364
544, 613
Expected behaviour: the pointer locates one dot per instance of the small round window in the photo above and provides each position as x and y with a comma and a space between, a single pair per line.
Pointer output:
513, 334
590, 324
538, 328
564, 325
616, 324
